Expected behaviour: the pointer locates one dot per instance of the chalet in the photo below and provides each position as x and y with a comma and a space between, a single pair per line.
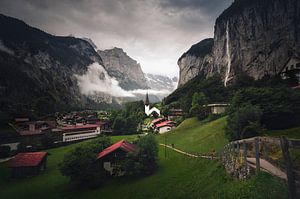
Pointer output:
291, 69
80, 132
28, 164
157, 121
112, 156
165, 126
175, 113
217, 108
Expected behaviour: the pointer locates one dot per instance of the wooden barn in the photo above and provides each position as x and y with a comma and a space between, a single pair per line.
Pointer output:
28, 164
112, 156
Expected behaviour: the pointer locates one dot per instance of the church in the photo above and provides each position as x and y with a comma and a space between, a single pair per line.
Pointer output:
153, 111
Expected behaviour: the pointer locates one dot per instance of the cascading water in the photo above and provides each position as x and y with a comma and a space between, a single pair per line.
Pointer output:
228, 56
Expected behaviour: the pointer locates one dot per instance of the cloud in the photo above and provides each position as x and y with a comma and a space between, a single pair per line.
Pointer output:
5, 49
154, 32
96, 80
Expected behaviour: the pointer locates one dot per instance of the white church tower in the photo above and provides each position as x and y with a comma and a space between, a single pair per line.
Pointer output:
149, 111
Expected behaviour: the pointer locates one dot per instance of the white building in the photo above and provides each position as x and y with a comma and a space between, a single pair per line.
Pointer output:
151, 111
80, 132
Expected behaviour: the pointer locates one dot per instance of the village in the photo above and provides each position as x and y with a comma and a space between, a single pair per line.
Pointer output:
23, 148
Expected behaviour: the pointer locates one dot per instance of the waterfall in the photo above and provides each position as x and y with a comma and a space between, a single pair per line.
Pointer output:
228, 56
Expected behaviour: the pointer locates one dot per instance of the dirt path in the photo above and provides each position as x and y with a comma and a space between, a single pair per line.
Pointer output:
188, 154
268, 167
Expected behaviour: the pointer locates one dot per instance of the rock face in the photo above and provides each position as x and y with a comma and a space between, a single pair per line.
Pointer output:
37, 69
125, 69
195, 61
257, 37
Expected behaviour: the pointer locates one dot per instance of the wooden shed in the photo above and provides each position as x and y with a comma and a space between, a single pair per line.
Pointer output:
28, 164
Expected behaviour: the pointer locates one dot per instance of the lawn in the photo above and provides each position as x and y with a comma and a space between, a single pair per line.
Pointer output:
293, 133
177, 176
196, 137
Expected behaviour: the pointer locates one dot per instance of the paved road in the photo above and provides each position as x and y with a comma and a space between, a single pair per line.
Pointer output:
268, 167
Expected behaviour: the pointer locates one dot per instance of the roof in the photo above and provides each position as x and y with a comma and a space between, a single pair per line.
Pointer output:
27, 159
157, 120
165, 123
220, 104
74, 127
123, 145
296, 87
28, 132
147, 99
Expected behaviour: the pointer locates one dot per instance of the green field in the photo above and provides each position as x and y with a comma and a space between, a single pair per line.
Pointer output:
177, 176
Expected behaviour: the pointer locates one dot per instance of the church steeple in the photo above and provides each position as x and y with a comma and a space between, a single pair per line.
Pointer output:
147, 99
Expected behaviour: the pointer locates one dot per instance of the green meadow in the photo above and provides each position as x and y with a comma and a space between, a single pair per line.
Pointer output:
177, 176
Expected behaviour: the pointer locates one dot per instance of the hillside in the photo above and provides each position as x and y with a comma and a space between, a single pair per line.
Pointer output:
177, 176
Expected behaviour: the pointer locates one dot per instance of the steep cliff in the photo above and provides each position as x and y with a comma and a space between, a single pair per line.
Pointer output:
257, 37
125, 69
37, 69
195, 61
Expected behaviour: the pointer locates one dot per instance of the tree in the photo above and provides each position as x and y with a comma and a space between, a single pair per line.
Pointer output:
198, 108
80, 165
145, 160
244, 122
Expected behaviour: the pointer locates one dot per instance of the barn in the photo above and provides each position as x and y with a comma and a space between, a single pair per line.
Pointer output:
28, 164
112, 156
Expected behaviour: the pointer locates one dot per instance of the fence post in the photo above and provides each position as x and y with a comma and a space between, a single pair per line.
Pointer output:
245, 153
289, 167
257, 155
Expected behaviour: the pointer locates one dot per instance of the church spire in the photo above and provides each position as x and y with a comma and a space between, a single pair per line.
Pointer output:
147, 99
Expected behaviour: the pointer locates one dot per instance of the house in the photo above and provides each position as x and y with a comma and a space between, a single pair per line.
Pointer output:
291, 69
28, 164
164, 126
80, 132
175, 113
157, 121
112, 156
217, 108
153, 111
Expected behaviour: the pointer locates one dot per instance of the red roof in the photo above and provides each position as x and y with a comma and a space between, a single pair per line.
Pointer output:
165, 123
123, 145
296, 87
75, 127
27, 159
157, 120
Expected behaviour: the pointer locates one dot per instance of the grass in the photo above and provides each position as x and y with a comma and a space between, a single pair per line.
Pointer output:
177, 176
293, 133
196, 137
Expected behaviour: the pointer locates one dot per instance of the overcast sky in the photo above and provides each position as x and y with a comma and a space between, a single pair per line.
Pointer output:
153, 32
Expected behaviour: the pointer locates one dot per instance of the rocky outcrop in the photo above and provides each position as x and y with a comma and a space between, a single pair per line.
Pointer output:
125, 69
257, 37
38, 69
195, 61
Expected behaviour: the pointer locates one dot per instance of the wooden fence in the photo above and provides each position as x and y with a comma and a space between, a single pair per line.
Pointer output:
273, 155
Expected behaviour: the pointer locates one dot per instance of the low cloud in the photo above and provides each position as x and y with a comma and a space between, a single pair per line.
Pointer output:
96, 79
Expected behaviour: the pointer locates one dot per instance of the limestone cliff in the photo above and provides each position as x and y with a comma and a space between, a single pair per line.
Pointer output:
257, 37
125, 69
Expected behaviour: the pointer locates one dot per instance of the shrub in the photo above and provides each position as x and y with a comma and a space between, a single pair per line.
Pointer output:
145, 160
80, 165
244, 122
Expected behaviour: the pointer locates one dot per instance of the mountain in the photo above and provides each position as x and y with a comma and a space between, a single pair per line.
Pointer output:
163, 85
195, 60
125, 69
39, 71
257, 37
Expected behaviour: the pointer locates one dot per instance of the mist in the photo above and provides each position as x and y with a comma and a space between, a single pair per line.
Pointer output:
96, 79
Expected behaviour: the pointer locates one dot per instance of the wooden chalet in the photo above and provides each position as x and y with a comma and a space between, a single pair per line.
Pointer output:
112, 156
28, 164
